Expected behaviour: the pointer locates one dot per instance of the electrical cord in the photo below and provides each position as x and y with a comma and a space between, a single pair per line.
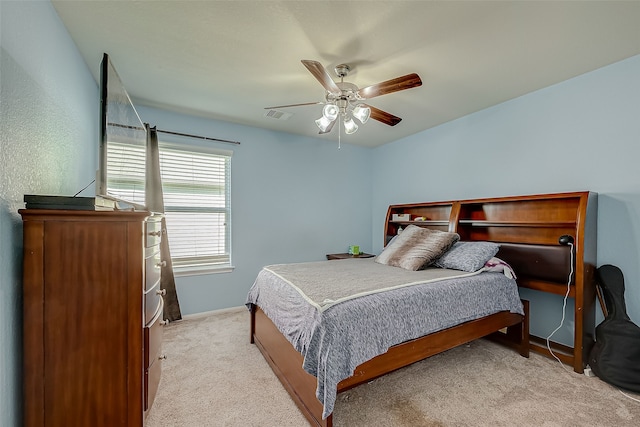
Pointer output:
87, 186
629, 397
564, 309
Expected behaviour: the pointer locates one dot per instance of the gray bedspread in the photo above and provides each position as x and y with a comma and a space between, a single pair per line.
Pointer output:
335, 339
325, 284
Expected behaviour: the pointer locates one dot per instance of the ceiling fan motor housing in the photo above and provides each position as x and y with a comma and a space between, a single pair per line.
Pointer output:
342, 70
349, 92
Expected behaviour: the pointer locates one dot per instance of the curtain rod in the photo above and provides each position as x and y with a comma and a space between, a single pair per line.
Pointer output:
188, 135
198, 136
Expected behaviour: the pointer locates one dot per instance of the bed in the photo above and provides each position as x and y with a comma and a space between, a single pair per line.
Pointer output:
314, 366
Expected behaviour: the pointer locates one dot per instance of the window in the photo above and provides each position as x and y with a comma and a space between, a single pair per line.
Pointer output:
196, 191
197, 208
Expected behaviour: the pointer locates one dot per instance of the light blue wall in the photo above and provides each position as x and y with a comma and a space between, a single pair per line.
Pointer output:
293, 199
48, 131
582, 134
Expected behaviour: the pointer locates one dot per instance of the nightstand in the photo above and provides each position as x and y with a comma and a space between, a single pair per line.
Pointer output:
346, 256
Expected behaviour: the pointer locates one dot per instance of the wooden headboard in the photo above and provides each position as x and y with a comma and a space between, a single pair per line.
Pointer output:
528, 229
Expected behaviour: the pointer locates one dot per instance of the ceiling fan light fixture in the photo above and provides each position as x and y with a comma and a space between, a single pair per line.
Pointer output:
330, 112
350, 126
344, 101
362, 113
323, 123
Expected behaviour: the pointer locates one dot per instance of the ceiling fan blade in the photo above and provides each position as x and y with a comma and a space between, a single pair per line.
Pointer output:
384, 117
394, 85
321, 74
292, 105
328, 128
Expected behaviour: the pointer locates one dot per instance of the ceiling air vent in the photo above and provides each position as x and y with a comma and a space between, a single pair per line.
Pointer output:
277, 115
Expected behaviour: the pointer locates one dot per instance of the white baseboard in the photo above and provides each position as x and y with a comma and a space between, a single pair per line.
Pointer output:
220, 311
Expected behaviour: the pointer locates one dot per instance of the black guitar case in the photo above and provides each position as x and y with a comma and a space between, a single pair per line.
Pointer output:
615, 357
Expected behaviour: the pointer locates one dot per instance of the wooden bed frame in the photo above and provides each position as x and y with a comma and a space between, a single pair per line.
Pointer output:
528, 229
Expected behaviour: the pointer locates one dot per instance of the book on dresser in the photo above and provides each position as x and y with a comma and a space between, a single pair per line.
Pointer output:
92, 316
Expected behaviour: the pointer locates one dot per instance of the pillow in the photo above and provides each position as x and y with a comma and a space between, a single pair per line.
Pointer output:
467, 256
416, 247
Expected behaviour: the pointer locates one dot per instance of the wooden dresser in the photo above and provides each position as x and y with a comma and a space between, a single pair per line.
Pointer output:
92, 317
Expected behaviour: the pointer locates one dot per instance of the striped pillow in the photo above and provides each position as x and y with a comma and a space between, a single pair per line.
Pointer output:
416, 247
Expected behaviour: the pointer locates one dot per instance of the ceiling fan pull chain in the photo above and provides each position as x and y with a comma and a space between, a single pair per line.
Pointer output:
339, 133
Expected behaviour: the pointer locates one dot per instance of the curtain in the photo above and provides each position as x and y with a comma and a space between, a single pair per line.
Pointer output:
155, 203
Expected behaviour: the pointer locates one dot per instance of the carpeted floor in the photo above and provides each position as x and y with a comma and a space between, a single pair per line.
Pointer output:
213, 376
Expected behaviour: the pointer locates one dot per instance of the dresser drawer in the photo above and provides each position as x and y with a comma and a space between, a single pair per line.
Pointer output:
151, 382
153, 357
152, 301
153, 231
152, 268
153, 337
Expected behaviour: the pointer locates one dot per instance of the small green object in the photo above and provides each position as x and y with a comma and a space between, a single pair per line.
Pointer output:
354, 250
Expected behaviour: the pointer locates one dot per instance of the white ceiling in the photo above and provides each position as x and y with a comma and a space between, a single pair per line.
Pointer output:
228, 60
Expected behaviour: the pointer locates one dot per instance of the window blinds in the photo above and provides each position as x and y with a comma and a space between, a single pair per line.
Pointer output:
196, 201
196, 194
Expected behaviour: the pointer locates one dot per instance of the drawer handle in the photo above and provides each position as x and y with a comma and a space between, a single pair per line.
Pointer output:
155, 233
164, 322
161, 292
162, 357
161, 264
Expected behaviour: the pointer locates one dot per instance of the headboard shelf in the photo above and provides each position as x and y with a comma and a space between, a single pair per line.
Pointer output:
425, 222
485, 223
527, 229
436, 215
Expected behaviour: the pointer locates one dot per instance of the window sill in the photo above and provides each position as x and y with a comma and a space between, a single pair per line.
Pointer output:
202, 270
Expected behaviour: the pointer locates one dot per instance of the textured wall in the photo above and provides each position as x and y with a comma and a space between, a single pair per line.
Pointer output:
49, 137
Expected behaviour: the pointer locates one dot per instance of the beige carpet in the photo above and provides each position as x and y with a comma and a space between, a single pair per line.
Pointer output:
213, 376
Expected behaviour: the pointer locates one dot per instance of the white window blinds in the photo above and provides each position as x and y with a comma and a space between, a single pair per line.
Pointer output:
196, 194
197, 209
126, 171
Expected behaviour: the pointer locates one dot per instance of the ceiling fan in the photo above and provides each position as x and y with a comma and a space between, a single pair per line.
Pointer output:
345, 100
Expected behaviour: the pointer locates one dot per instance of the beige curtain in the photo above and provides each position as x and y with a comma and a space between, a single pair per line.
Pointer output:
155, 203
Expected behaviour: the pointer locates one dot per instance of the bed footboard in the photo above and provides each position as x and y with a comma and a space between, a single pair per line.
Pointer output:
286, 362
